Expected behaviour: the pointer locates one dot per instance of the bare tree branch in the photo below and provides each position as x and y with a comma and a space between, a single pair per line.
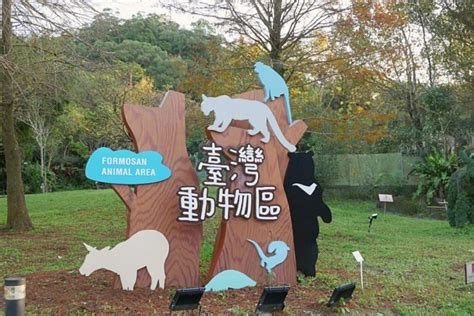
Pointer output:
277, 26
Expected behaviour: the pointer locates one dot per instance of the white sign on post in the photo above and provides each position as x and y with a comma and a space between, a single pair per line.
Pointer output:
469, 269
359, 259
386, 198
358, 256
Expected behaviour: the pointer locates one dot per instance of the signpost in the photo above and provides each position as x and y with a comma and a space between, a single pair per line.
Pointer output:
155, 205
159, 186
469, 272
126, 167
359, 259
385, 198
232, 238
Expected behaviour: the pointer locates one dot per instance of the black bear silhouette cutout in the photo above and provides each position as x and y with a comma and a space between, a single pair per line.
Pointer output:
305, 198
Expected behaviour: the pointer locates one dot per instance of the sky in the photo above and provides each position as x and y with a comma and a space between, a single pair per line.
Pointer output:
127, 8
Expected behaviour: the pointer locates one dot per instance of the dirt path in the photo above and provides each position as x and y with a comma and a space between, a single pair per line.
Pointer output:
65, 291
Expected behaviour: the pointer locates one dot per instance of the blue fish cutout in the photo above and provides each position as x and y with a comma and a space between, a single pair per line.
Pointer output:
126, 167
273, 85
280, 250
229, 279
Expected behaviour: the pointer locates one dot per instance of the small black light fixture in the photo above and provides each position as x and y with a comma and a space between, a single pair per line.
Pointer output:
187, 299
344, 291
272, 299
371, 219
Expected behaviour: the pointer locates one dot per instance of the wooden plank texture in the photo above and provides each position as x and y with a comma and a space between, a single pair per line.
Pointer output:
155, 206
232, 250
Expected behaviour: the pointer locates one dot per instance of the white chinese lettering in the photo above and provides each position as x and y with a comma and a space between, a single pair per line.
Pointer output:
188, 204
266, 212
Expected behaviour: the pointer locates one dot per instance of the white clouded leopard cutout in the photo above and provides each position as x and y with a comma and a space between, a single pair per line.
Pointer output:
257, 113
146, 248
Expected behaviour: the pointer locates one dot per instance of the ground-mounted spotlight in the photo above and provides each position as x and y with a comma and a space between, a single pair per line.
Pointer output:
272, 300
341, 292
371, 219
187, 299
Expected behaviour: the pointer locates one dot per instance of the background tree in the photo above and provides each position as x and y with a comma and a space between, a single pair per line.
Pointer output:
40, 124
375, 77
27, 19
453, 30
393, 44
278, 27
17, 216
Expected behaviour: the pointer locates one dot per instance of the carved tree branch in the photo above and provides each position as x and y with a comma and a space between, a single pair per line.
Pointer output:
232, 237
155, 206
126, 194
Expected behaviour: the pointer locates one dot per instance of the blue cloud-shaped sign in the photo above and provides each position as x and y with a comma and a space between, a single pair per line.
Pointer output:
126, 167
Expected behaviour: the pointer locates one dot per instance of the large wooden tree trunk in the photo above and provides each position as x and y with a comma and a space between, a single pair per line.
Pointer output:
155, 206
232, 250
17, 216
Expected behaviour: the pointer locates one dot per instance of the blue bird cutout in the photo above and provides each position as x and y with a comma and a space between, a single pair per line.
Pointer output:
278, 248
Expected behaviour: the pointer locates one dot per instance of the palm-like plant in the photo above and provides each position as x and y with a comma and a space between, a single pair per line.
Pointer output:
433, 174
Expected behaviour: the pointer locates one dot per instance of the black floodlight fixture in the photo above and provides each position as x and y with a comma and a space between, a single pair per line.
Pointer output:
371, 218
344, 291
272, 299
187, 299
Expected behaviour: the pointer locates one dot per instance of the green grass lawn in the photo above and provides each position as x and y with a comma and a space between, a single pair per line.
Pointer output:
412, 266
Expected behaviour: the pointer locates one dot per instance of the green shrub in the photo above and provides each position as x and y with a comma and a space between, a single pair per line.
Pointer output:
31, 173
32, 177
434, 172
461, 193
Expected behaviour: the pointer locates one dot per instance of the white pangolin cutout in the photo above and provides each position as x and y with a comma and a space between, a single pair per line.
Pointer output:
308, 189
257, 113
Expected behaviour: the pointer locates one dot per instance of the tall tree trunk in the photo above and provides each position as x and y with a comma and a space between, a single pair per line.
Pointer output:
431, 66
411, 93
44, 186
275, 38
17, 215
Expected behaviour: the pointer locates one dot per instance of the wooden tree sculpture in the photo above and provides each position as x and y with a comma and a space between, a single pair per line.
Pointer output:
155, 206
231, 241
